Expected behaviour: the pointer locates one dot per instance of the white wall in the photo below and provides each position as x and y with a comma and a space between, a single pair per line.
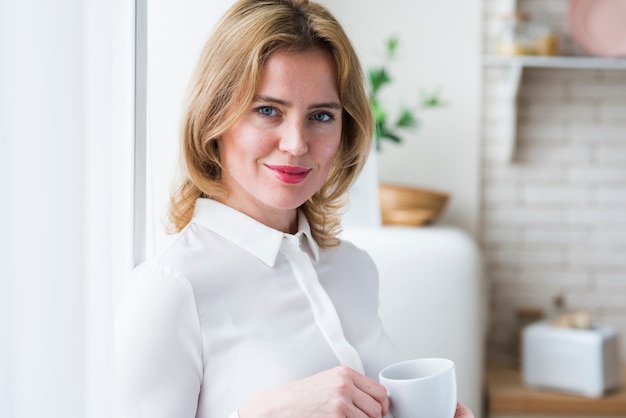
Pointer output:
66, 145
176, 33
44, 199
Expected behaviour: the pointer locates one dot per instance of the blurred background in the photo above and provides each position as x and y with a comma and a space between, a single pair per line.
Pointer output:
530, 147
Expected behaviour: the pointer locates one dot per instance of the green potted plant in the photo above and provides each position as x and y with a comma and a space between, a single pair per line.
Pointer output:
399, 204
407, 120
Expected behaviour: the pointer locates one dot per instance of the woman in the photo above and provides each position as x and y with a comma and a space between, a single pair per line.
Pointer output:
257, 309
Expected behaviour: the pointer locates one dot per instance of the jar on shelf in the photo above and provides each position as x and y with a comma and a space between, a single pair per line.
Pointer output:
516, 36
545, 41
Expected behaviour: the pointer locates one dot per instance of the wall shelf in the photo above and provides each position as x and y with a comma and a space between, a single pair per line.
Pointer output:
571, 62
516, 66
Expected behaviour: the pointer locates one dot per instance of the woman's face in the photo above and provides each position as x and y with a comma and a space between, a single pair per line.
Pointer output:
279, 152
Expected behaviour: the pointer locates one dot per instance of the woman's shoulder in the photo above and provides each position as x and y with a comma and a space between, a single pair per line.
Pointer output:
347, 247
151, 276
188, 254
352, 257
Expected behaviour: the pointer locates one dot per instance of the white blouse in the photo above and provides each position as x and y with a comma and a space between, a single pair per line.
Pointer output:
232, 307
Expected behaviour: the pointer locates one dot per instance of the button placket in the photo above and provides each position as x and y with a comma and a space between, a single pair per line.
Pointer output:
323, 308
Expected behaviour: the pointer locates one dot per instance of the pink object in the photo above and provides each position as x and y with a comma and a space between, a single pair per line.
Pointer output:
289, 174
599, 26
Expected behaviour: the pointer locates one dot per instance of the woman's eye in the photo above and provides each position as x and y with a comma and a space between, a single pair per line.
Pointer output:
266, 110
322, 117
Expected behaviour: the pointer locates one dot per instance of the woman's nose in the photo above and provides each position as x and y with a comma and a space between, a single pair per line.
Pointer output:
293, 139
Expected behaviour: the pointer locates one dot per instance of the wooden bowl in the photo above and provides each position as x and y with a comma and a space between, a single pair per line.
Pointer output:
412, 206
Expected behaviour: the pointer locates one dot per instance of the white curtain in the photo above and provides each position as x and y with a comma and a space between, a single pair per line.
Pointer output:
66, 216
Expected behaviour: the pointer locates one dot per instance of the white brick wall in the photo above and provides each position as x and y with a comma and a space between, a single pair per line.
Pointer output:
554, 220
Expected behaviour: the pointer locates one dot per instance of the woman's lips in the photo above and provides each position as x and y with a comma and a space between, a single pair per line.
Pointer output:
289, 174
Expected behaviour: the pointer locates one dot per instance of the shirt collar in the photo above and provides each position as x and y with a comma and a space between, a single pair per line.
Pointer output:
258, 239
305, 229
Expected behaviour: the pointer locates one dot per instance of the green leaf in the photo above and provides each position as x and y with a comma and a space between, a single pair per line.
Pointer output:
392, 47
406, 119
432, 99
392, 136
378, 78
378, 111
380, 129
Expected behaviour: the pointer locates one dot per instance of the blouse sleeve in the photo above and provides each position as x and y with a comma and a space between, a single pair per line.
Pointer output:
158, 346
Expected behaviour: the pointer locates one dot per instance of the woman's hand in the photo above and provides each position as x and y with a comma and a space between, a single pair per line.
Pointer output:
338, 392
462, 411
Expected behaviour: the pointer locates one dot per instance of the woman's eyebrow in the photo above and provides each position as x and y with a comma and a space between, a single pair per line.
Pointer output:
269, 99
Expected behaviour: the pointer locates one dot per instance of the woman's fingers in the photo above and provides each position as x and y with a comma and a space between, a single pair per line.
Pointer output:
369, 406
340, 391
462, 411
368, 395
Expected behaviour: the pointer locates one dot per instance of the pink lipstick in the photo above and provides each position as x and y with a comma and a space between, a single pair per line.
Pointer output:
289, 174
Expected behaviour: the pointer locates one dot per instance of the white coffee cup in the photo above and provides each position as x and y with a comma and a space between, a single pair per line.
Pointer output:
421, 388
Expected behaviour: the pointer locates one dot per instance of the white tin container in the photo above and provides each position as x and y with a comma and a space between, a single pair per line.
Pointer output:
581, 361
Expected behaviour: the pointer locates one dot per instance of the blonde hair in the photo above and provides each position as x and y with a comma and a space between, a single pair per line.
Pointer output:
224, 84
